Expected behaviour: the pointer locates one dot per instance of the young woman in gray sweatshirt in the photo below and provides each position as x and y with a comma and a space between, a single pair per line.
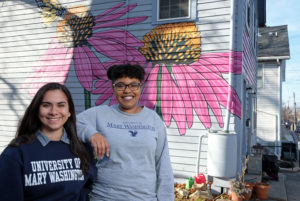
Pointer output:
132, 141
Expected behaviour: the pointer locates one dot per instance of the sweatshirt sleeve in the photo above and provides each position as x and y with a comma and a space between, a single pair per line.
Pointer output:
164, 172
11, 182
86, 124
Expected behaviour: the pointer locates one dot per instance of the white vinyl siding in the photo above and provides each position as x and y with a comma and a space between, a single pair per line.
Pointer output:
268, 105
24, 39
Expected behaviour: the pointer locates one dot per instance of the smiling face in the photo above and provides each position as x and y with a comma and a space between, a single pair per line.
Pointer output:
54, 113
127, 98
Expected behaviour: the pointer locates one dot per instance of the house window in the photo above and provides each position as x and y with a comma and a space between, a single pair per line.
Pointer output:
248, 14
168, 11
255, 29
173, 9
260, 76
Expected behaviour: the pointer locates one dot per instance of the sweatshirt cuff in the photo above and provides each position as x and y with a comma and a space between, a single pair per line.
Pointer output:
89, 133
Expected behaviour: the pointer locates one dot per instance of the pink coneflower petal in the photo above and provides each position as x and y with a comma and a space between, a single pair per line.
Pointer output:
184, 90
83, 67
178, 110
235, 107
147, 69
113, 62
119, 62
101, 86
57, 52
198, 102
120, 36
110, 10
108, 48
149, 94
221, 61
113, 100
209, 95
133, 56
166, 95
54, 67
116, 15
119, 23
117, 51
108, 93
221, 88
209, 67
96, 66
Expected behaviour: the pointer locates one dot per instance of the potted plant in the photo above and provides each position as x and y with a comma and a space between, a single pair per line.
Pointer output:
240, 190
261, 190
250, 186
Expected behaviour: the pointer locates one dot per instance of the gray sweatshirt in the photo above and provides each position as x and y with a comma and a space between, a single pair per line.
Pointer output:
139, 165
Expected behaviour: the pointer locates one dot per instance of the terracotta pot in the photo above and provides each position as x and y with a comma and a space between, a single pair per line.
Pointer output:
248, 196
250, 186
235, 197
261, 190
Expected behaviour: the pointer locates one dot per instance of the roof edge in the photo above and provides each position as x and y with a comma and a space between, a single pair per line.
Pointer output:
273, 58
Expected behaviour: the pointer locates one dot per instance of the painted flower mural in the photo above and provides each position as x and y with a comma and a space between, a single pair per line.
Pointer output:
181, 79
79, 36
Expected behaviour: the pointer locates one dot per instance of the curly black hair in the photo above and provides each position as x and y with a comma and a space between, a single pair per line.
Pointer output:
126, 70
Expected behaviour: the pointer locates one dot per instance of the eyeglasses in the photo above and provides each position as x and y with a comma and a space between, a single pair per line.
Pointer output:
120, 86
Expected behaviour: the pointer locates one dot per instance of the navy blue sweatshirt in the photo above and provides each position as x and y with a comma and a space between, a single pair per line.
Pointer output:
43, 170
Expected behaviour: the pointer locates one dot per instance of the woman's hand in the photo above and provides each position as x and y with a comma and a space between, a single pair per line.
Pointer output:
100, 145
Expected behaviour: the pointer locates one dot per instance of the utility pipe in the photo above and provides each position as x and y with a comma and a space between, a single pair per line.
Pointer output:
231, 64
199, 150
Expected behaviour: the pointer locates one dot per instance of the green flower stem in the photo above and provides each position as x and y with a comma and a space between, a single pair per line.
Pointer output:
87, 99
169, 68
158, 105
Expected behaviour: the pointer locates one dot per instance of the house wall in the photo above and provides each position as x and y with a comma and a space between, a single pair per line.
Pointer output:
269, 106
246, 83
35, 49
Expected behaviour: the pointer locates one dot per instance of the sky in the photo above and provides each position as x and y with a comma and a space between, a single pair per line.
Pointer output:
287, 12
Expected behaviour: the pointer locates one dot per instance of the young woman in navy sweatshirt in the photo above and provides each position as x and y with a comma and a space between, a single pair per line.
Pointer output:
46, 161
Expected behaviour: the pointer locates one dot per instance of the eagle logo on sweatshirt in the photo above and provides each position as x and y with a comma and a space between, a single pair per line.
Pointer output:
133, 133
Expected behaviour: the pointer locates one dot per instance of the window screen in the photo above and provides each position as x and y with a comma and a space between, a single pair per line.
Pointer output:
173, 9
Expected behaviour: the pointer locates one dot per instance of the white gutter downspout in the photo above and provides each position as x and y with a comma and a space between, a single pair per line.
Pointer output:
231, 64
198, 153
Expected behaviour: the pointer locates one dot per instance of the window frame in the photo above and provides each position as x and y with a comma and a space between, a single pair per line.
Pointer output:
155, 13
260, 69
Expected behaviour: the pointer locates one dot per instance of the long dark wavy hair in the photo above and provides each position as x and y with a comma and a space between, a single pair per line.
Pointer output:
30, 124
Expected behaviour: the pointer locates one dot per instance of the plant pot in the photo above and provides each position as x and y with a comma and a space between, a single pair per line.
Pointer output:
248, 196
261, 190
235, 197
250, 186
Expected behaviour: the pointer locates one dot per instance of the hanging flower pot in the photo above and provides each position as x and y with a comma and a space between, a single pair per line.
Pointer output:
261, 190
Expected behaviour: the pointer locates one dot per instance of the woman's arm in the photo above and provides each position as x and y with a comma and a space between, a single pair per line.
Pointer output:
164, 172
11, 178
87, 132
